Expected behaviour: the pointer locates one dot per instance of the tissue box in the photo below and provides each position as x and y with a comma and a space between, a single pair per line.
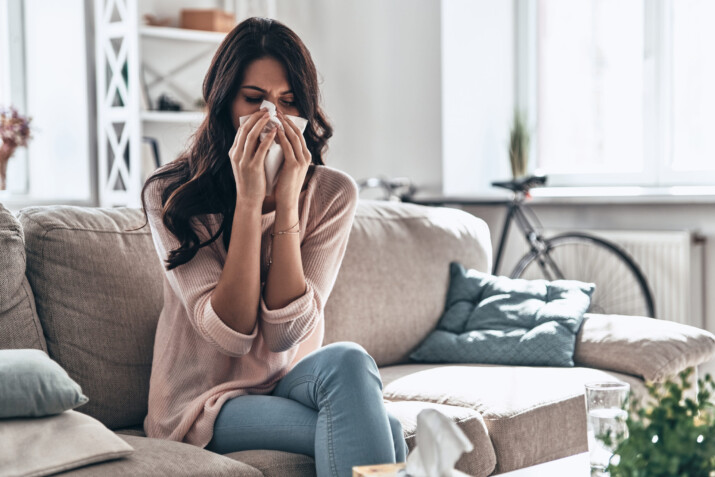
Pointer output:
384, 470
211, 19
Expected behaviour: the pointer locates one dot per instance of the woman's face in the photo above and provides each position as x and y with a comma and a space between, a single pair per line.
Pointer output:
264, 79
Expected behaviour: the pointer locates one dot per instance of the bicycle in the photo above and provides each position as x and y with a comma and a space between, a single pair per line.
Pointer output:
396, 189
621, 287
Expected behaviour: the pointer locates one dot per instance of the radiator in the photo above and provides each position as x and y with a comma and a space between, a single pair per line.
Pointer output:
671, 261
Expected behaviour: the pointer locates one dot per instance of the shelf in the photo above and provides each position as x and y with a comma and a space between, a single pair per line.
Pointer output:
171, 33
173, 116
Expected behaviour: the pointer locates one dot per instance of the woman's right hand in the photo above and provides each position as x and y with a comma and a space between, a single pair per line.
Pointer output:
247, 158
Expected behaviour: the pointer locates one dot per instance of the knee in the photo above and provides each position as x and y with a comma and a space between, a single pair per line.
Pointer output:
346, 355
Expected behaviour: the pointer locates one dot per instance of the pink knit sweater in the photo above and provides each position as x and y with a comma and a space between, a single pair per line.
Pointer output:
199, 362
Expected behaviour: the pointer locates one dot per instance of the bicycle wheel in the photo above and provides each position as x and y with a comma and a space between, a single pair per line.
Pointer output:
621, 287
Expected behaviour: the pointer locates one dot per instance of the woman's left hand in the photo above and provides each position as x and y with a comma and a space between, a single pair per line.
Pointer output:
296, 160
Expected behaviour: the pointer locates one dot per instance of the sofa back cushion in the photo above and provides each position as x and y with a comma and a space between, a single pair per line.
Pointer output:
98, 290
19, 325
391, 288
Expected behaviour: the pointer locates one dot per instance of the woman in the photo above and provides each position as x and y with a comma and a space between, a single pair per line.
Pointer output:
238, 362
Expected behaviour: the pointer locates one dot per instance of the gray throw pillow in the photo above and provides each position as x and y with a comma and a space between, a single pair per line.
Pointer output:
35, 447
33, 385
499, 320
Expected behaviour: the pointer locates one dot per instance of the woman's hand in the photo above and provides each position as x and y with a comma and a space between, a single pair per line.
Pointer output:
296, 160
247, 158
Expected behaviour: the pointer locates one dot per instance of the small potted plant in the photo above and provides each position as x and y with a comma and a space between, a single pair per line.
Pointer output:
14, 132
519, 146
671, 435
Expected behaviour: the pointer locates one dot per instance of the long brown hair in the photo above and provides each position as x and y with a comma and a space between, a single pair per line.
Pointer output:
201, 180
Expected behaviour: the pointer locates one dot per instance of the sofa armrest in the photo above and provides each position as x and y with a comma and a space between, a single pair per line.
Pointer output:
646, 347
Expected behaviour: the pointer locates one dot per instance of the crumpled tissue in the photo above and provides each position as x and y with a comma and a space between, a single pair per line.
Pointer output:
440, 443
274, 156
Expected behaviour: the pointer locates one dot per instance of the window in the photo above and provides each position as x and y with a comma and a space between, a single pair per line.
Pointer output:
693, 87
623, 91
46, 51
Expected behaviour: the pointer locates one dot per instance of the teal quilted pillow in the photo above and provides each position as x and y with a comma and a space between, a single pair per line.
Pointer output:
500, 320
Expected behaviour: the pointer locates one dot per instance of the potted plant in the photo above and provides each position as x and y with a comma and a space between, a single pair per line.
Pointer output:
14, 132
518, 146
671, 435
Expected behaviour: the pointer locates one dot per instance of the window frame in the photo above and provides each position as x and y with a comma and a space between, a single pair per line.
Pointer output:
658, 121
13, 11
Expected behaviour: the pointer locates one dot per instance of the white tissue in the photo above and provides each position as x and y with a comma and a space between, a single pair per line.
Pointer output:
440, 443
274, 156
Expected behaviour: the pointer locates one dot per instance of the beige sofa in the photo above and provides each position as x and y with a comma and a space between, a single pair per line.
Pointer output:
76, 284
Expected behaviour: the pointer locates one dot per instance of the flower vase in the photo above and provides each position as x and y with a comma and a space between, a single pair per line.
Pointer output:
6, 151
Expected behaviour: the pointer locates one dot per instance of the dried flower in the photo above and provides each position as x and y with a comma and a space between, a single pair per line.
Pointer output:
518, 146
14, 128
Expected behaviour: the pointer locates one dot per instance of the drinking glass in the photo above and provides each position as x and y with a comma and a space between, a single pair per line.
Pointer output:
607, 414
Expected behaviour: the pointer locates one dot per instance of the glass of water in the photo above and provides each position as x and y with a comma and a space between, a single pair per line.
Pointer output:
607, 414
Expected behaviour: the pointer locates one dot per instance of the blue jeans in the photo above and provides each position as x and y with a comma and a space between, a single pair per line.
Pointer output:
329, 406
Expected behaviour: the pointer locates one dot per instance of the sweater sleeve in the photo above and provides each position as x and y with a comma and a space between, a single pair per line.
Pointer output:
322, 253
193, 284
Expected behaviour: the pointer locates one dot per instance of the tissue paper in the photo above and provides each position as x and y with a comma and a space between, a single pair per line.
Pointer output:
440, 443
274, 156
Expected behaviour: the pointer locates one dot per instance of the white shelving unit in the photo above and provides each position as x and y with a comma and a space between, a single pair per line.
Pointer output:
181, 34
120, 118
172, 116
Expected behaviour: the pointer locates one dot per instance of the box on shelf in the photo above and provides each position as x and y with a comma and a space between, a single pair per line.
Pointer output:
210, 19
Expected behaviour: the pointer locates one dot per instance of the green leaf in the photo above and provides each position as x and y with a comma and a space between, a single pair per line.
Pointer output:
670, 435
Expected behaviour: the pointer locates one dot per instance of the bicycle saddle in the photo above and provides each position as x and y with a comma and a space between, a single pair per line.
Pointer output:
521, 185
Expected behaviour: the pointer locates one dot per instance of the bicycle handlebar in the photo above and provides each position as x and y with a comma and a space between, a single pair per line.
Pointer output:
521, 185
397, 188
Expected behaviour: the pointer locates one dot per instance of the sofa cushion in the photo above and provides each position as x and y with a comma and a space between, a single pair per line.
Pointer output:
271, 463
161, 457
19, 325
32, 385
47, 445
98, 290
393, 279
646, 347
274, 463
502, 320
480, 462
533, 414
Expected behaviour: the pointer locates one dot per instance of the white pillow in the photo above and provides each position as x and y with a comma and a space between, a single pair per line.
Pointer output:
36, 446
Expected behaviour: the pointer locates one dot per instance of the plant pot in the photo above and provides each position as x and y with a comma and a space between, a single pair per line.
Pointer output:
6, 152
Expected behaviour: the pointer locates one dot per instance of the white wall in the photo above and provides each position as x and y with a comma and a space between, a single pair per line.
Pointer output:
380, 67
379, 70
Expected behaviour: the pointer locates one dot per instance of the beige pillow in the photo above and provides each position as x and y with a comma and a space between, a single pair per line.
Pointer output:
47, 445
646, 347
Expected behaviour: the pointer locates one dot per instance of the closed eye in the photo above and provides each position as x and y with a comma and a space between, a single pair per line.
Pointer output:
259, 99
